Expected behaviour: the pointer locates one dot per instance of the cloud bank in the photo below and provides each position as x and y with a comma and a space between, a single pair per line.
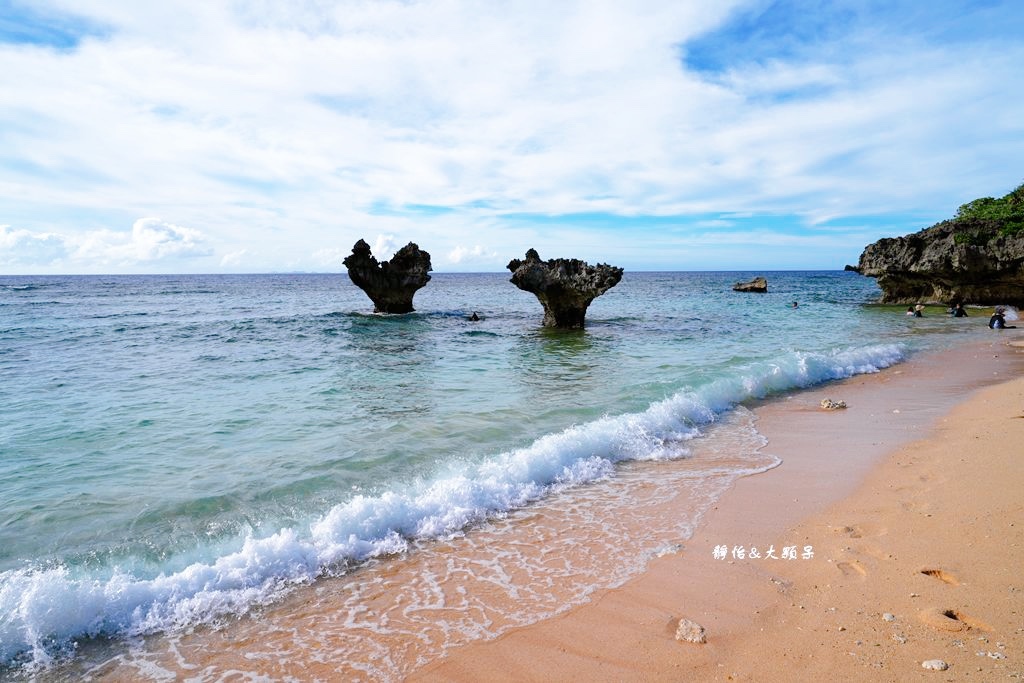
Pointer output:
288, 130
150, 242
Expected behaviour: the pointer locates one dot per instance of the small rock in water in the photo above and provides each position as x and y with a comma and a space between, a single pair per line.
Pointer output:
758, 284
889, 617
690, 632
934, 665
668, 549
829, 404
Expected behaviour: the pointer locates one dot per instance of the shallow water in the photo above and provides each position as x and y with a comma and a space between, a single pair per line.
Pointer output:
175, 449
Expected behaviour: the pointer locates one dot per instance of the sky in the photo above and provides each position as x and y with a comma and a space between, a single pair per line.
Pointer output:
213, 136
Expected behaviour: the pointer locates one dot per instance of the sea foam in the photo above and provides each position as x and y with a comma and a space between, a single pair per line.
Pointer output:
44, 611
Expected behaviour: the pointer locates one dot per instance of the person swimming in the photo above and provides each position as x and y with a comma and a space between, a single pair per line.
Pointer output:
998, 320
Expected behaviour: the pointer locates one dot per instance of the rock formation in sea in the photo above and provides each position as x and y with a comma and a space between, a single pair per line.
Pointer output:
565, 287
758, 284
391, 284
975, 258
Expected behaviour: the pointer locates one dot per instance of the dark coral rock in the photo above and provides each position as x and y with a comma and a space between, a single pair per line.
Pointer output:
565, 287
967, 261
391, 284
758, 284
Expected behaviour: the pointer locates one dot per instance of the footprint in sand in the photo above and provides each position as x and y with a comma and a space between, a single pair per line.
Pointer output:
852, 568
943, 576
951, 620
866, 530
849, 531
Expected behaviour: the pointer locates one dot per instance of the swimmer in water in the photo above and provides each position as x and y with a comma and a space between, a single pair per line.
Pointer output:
998, 320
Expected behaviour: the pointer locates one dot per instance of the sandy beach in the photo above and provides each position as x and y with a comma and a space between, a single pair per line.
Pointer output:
904, 517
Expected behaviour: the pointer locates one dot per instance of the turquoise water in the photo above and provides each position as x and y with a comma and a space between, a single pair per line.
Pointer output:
176, 446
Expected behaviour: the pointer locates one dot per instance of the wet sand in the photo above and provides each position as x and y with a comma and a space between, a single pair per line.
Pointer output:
910, 501
384, 620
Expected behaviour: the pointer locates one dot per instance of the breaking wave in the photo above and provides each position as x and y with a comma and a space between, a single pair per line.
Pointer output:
45, 610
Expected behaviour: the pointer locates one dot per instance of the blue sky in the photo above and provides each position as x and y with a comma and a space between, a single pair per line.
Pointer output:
233, 136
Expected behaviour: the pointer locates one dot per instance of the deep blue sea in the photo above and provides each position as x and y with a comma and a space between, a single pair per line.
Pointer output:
174, 447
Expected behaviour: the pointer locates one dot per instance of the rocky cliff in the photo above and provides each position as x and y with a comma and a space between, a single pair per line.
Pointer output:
975, 258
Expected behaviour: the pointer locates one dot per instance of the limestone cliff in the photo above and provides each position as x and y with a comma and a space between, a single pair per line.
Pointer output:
975, 258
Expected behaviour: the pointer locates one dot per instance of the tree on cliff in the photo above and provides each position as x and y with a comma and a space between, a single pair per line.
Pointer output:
1004, 215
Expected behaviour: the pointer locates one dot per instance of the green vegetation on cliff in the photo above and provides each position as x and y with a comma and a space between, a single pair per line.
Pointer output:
986, 217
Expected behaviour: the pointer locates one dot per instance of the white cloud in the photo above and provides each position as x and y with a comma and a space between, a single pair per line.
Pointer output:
150, 239
330, 258
21, 247
714, 223
384, 247
474, 254
271, 124
234, 259
153, 239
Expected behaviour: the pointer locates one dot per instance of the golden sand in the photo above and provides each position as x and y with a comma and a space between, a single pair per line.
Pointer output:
920, 559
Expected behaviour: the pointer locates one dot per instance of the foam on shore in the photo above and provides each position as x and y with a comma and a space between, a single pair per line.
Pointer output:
43, 611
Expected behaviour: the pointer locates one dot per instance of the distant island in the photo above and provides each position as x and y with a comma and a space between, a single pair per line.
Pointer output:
977, 257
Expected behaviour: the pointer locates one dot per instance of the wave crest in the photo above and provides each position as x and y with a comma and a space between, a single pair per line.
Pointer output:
44, 610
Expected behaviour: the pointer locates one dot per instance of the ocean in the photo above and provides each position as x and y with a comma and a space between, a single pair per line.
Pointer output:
185, 452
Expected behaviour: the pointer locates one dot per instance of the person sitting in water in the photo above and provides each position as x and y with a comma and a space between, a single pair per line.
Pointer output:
474, 317
958, 311
919, 311
910, 310
998, 321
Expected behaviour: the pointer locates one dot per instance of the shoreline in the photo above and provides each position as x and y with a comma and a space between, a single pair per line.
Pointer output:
419, 615
757, 624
